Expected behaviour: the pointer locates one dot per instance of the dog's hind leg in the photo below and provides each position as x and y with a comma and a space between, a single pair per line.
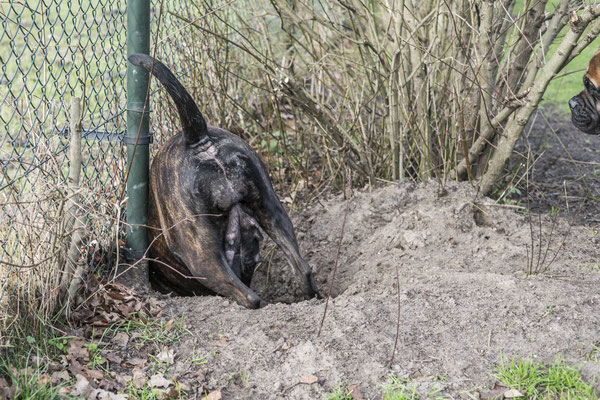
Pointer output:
242, 244
233, 239
250, 246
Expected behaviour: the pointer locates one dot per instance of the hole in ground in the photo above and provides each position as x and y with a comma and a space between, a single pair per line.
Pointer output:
275, 281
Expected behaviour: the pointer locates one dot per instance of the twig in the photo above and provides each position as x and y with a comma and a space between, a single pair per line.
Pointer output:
348, 183
391, 361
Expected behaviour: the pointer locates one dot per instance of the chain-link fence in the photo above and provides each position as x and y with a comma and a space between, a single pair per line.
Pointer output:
51, 50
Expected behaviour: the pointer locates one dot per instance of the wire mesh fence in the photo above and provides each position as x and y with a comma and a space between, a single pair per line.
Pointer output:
51, 50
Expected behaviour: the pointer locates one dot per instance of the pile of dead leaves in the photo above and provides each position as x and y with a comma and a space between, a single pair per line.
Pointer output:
101, 304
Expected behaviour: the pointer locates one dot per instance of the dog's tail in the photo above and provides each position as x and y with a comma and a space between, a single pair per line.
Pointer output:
192, 121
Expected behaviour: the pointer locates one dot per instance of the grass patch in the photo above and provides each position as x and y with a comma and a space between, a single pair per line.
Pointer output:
593, 354
569, 81
536, 380
145, 393
28, 369
32, 384
404, 389
154, 331
24, 370
339, 393
399, 389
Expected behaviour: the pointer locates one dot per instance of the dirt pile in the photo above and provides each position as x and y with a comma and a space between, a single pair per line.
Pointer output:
464, 300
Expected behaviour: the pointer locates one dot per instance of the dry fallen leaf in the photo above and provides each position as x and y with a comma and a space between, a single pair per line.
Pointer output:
124, 309
171, 393
185, 386
169, 324
512, 394
111, 384
166, 356
101, 303
60, 376
134, 362
82, 386
355, 392
99, 394
44, 379
112, 357
123, 380
309, 379
159, 381
6, 391
78, 350
214, 395
221, 342
93, 374
139, 377
121, 339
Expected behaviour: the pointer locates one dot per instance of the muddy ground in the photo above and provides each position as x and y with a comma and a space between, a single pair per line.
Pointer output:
442, 270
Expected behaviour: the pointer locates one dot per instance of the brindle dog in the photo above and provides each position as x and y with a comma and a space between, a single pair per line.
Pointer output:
209, 193
585, 107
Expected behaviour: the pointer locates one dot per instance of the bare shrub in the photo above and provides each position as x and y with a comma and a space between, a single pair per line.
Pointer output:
436, 89
44, 242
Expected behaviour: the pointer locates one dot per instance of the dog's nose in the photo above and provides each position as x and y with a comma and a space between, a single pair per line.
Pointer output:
573, 103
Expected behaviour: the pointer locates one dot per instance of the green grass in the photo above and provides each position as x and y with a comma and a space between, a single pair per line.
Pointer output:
154, 331
197, 359
594, 354
339, 393
24, 365
399, 389
536, 380
570, 81
403, 389
24, 368
145, 393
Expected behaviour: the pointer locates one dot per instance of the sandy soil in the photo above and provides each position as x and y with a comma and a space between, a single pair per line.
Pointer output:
439, 274
464, 301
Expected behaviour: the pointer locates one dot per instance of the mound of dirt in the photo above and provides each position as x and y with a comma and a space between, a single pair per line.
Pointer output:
464, 300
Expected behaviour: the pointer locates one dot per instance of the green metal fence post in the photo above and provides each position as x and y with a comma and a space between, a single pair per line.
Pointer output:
138, 41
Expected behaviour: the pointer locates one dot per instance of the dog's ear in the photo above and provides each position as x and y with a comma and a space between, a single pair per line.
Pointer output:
593, 70
192, 121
